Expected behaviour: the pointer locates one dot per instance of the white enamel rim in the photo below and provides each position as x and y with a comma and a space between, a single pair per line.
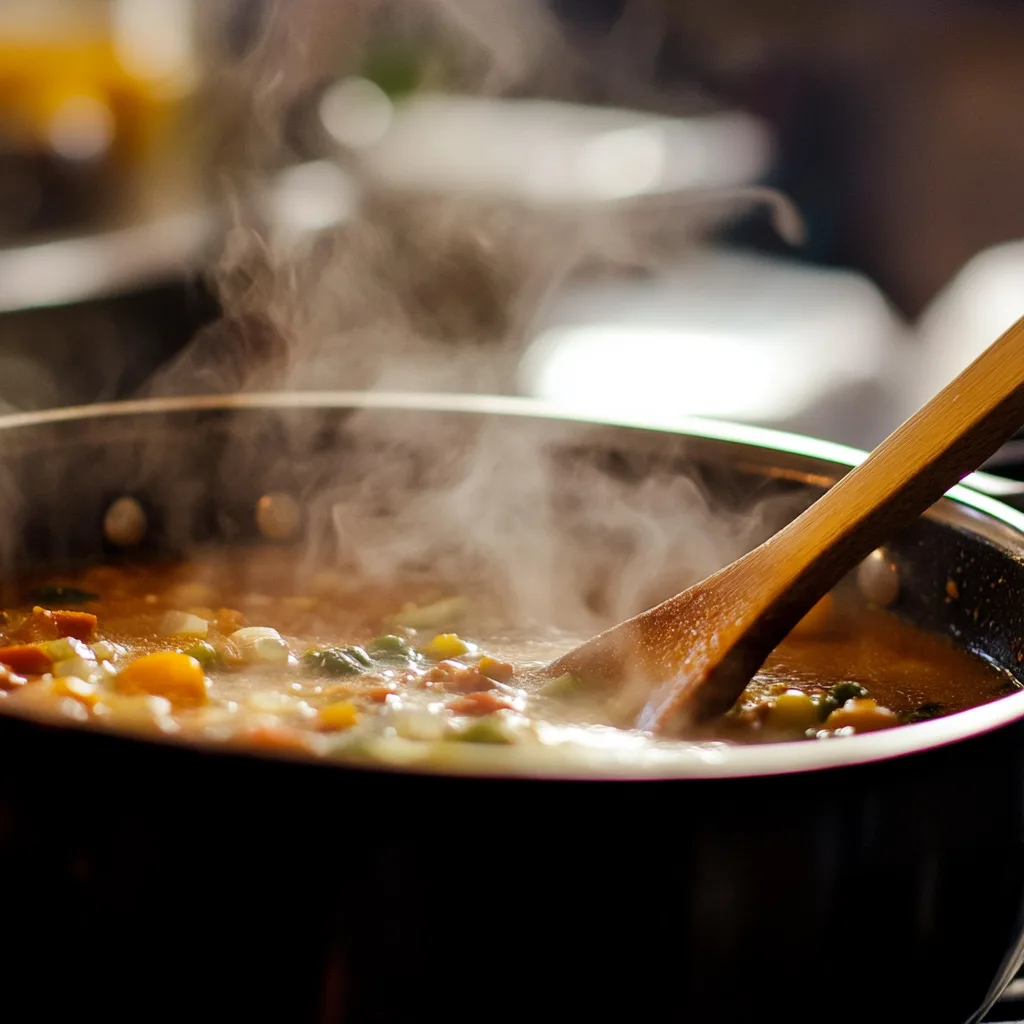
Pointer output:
719, 762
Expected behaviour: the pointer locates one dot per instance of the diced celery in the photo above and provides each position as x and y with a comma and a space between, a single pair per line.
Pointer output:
566, 685
489, 729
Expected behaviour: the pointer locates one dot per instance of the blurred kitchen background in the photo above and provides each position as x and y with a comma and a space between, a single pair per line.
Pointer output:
570, 199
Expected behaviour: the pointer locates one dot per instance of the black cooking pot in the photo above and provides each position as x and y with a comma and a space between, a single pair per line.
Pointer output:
876, 877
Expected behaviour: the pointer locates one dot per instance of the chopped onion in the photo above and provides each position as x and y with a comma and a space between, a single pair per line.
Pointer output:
87, 670
416, 721
261, 644
182, 624
107, 650
67, 647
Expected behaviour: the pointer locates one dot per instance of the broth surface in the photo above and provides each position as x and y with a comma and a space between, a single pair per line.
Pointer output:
241, 647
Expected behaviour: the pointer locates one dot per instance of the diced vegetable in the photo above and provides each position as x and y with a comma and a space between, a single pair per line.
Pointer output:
38, 625
28, 659
848, 690
260, 645
389, 643
458, 678
206, 654
338, 661
80, 667
107, 650
336, 717
168, 674
431, 616
80, 625
499, 671
272, 702
416, 721
10, 680
174, 623
793, 711
566, 685
392, 650
485, 702
862, 715
61, 595
276, 736
77, 689
135, 710
445, 646
43, 624
490, 729
67, 647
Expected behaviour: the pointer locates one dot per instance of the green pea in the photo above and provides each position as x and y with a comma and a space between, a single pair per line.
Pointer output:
392, 650
206, 654
848, 690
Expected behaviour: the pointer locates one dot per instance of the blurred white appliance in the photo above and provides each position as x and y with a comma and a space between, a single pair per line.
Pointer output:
726, 335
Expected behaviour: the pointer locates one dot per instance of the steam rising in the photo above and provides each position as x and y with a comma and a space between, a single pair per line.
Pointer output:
420, 292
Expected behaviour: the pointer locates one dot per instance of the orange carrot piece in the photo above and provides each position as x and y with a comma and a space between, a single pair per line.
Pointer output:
485, 702
275, 737
80, 625
27, 659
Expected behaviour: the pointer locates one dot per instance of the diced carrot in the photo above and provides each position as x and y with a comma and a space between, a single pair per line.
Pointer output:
482, 703
443, 671
275, 737
27, 659
80, 625
500, 671
379, 694
334, 717
468, 680
177, 677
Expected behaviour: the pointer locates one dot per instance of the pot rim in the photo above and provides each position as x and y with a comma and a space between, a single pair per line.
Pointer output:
965, 506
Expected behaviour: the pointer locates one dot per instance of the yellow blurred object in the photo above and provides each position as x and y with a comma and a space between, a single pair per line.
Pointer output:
445, 646
97, 86
335, 717
77, 689
177, 677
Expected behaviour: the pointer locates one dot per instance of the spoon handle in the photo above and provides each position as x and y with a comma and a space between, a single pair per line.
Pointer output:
735, 618
937, 447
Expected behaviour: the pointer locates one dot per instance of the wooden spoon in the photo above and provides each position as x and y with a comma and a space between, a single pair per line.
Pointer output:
688, 659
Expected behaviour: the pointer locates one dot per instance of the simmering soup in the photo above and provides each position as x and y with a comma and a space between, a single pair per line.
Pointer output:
239, 647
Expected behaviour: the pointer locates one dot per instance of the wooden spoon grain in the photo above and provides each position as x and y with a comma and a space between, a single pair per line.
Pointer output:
687, 660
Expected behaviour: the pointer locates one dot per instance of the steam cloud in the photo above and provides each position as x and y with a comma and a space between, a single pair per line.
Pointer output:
423, 293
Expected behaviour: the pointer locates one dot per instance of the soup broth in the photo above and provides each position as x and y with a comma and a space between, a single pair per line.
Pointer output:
240, 647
